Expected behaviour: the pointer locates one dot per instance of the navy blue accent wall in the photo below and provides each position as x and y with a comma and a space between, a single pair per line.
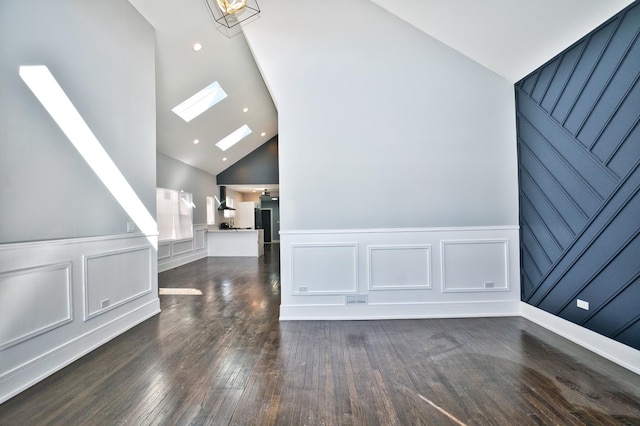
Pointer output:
259, 166
579, 155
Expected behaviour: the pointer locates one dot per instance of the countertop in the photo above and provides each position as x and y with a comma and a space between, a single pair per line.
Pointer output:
233, 230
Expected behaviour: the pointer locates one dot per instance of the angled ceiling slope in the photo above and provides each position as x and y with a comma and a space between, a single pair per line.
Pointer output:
511, 38
181, 72
259, 167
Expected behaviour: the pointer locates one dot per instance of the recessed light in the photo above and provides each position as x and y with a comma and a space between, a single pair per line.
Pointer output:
263, 134
234, 138
224, 159
196, 141
197, 47
245, 109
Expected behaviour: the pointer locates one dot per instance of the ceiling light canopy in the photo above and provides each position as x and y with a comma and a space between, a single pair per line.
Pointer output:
234, 138
230, 13
200, 102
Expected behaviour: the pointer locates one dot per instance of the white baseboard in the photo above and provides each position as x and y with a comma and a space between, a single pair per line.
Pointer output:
617, 352
35, 370
179, 261
400, 311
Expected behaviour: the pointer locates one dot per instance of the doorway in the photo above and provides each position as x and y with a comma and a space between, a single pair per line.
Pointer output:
267, 224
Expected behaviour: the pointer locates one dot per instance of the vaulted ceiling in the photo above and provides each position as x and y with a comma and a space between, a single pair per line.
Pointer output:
181, 72
511, 38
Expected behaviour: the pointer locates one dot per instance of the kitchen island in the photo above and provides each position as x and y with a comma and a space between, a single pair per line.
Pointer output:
235, 242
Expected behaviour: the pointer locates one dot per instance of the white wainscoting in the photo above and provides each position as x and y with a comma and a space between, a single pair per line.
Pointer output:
400, 273
45, 287
475, 265
324, 268
44, 290
114, 278
200, 237
180, 248
172, 254
399, 267
164, 251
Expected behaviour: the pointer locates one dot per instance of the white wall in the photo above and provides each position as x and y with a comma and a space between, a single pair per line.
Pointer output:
425, 137
73, 278
367, 104
174, 174
99, 53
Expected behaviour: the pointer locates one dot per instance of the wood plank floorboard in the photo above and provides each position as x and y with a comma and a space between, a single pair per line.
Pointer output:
223, 358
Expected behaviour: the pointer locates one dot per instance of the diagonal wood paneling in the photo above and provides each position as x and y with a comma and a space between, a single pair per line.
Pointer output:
578, 119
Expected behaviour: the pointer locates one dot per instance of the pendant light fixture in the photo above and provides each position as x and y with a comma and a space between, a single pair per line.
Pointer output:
230, 13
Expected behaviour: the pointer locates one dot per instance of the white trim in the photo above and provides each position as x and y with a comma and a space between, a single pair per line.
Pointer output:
85, 280
66, 266
610, 349
199, 233
79, 240
178, 244
175, 259
381, 247
170, 241
382, 311
175, 262
168, 255
294, 287
31, 372
503, 241
399, 230
389, 303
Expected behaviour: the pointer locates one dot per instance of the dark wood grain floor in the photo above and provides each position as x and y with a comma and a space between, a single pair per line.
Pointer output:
224, 358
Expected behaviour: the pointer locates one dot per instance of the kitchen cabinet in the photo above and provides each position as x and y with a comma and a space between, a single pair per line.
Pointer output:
236, 242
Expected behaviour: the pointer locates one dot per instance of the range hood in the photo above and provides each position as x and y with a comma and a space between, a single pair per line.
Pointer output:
223, 199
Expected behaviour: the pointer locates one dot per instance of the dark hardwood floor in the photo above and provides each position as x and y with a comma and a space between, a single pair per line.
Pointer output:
224, 358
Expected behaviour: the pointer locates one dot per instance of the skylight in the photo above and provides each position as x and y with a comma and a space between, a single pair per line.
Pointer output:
234, 138
200, 102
